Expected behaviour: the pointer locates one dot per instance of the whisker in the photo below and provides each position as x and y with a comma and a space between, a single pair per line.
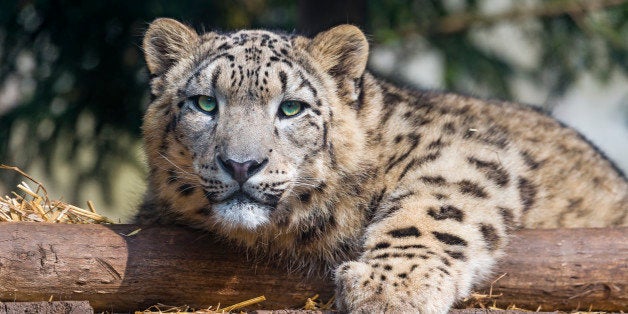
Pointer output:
175, 165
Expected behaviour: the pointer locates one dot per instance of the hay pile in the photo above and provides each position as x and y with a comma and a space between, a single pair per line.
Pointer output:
34, 204
161, 308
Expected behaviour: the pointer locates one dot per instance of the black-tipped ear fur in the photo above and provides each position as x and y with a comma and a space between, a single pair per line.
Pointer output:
341, 51
166, 41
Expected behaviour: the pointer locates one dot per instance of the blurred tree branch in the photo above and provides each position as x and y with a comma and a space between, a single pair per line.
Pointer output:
460, 22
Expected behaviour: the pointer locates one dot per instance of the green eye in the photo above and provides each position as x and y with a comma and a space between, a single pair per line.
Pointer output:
206, 104
290, 108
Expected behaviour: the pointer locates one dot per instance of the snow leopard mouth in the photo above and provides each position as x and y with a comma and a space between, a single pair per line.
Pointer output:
242, 211
242, 196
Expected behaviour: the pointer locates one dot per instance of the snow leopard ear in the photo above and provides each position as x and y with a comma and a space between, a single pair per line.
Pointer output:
165, 42
341, 51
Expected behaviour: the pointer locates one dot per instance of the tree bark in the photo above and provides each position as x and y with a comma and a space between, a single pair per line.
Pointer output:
120, 271
566, 269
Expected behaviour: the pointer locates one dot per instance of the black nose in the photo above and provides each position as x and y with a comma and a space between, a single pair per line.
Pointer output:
241, 171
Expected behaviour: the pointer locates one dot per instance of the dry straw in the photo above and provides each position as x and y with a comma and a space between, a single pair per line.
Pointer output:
34, 204
161, 308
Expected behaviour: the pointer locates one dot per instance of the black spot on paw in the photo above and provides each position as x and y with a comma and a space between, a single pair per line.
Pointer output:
492, 239
446, 212
456, 255
405, 232
472, 188
449, 238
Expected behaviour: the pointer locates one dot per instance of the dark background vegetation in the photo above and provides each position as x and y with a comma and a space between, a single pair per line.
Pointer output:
82, 82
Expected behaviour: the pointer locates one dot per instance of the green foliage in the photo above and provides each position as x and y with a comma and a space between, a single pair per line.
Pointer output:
574, 37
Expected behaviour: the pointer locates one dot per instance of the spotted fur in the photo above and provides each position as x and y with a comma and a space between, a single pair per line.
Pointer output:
407, 197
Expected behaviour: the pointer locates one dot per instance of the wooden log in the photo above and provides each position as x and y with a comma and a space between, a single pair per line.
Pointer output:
566, 269
118, 271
